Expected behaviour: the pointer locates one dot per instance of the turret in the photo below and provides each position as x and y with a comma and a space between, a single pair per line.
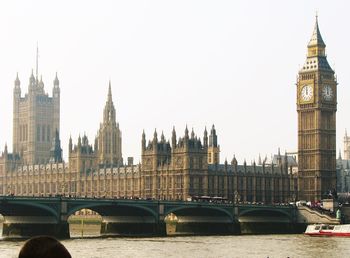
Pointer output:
17, 88
155, 140
56, 87
56, 103
339, 156
213, 149
162, 138
79, 142
32, 83
6, 150
56, 82
205, 138
346, 146
186, 133
213, 139
70, 145
234, 161
173, 138
285, 163
143, 141
56, 150
259, 160
41, 84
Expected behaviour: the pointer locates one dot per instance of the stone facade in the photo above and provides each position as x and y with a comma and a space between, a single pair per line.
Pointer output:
170, 172
187, 166
36, 117
109, 139
316, 107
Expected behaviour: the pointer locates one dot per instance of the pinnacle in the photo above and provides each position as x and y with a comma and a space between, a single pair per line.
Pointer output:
109, 92
316, 38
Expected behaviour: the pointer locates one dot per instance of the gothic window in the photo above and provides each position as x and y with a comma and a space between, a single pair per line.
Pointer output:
43, 133
122, 184
72, 186
191, 182
169, 182
148, 183
82, 186
48, 133
38, 133
88, 186
158, 182
200, 183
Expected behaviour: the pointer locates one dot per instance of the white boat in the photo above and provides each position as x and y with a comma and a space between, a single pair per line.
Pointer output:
328, 230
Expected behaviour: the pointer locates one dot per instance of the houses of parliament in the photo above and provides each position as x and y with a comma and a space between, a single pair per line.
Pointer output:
187, 164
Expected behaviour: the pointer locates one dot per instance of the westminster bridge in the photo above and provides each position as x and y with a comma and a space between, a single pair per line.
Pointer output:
28, 216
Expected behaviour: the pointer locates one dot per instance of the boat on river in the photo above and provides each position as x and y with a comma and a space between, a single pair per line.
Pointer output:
328, 230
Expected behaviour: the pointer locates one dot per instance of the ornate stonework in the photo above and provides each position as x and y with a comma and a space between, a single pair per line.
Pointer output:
36, 117
316, 106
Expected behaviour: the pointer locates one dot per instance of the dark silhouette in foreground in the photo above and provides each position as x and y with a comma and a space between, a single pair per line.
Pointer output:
43, 247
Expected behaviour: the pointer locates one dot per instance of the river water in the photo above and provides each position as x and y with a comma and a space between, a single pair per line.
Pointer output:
197, 246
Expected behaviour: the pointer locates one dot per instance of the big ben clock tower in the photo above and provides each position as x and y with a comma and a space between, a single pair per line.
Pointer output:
316, 106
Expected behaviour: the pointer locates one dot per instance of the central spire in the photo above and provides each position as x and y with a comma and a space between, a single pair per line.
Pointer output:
109, 92
316, 38
109, 110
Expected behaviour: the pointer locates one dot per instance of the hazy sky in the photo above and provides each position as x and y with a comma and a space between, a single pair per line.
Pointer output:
171, 63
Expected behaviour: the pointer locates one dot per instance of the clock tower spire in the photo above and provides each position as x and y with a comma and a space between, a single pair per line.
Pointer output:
316, 107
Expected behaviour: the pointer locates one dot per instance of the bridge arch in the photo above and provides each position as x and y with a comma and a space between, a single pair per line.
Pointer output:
200, 219
175, 210
121, 218
266, 211
19, 204
94, 206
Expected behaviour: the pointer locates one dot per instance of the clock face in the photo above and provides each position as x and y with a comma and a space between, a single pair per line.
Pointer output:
327, 93
307, 93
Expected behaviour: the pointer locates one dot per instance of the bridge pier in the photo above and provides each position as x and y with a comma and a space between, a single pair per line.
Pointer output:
33, 226
131, 226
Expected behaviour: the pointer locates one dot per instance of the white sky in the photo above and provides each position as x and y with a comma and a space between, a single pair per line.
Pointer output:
231, 63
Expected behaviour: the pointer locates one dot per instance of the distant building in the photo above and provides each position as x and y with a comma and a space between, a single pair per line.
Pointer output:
343, 168
346, 146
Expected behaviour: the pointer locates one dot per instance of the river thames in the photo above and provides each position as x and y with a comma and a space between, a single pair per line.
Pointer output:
198, 246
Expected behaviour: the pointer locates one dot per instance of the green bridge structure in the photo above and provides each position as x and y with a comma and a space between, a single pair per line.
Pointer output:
28, 216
